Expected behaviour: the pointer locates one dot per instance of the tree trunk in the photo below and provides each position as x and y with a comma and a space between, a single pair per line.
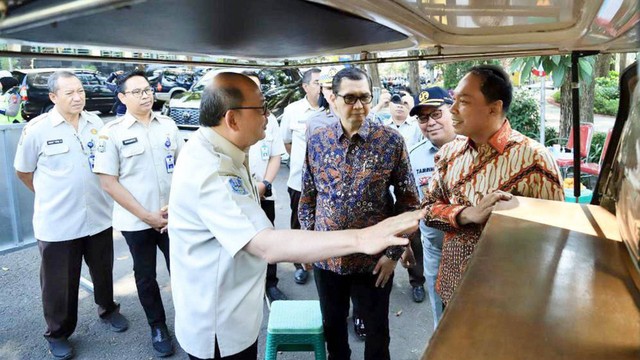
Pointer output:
603, 65
587, 94
622, 62
414, 73
372, 70
566, 111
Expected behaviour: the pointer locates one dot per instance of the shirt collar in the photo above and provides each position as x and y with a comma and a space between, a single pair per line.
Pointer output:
363, 131
57, 118
499, 140
129, 119
223, 146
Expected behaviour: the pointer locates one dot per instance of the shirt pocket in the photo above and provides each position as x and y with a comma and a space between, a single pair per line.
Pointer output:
132, 150
54, 160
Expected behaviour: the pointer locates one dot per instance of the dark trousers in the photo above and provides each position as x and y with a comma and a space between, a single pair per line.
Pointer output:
373, 302
142, 245
416, 273
60, 278
294, 196
250, 353
269, 208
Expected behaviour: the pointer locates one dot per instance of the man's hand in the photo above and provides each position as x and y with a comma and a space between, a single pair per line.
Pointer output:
261, 189
408, 259
479, 214
158, 219
374, 239
384, 268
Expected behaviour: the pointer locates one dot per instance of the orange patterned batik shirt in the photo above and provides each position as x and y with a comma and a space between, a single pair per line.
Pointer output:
465, 172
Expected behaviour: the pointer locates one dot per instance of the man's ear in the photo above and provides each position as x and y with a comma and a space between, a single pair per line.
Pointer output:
332, 98
52, 97
230, 120
496, 108
121, 97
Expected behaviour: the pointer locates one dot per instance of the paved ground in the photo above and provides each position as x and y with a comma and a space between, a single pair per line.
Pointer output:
22, 324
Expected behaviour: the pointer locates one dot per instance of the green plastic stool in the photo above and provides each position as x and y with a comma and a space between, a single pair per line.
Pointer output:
295, 325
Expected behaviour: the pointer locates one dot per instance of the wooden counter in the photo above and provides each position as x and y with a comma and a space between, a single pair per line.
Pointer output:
548, 280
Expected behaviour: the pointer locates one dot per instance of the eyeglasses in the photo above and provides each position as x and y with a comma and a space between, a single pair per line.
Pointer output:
138, 92
424, 118
265, 111
351, 99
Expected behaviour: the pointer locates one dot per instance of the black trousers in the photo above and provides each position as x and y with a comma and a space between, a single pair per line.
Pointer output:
269, 208
294, 196
142, 245
250, 353
373, 303
416, 273
60, 278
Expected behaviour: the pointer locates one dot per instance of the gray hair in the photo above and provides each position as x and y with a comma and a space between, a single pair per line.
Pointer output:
52, 83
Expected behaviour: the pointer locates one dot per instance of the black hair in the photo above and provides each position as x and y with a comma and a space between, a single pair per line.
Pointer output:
216, 101
496, 84
405, 89
122, 79
351, 73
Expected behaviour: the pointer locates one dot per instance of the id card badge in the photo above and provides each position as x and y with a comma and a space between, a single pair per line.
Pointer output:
168, 163
92, 161
264, 152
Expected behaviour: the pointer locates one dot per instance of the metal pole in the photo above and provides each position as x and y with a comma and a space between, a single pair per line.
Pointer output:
575, 105
543, 104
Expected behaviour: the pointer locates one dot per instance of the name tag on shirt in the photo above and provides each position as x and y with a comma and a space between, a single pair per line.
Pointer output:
54, 142
130, 141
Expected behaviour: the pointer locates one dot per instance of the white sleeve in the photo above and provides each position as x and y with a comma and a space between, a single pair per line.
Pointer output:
277, 147
236, 218
285, 126
107, 156
27, 152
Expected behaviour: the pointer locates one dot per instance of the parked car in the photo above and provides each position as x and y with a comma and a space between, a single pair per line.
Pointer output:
280, 87
35, 93
169, 82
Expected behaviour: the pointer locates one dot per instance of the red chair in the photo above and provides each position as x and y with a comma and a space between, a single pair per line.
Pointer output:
594, 168
586, 135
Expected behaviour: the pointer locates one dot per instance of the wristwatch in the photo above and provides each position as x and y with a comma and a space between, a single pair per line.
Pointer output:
267, 191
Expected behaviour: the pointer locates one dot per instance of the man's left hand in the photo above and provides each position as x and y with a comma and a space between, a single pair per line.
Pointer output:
384, 268
408, 259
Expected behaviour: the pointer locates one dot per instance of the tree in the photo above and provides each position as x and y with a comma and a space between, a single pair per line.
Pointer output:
559, 66
453, 72
414, 73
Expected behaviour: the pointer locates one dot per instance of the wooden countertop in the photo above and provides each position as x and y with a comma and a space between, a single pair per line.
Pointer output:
546, 282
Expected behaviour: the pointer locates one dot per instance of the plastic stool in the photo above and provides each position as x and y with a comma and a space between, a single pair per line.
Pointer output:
295, 325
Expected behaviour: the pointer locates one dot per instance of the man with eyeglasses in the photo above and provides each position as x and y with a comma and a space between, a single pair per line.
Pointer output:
434, 121
472, 174
135, 159
72, 214
294, 127
221, 239
347, 172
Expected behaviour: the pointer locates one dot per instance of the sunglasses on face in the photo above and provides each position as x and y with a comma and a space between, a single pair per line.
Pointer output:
424, 118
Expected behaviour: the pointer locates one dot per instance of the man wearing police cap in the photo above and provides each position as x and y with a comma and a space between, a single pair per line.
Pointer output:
434, 121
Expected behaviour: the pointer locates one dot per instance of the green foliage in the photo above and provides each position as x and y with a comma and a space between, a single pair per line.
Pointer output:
556, 65
550, 136
597, 145
607, 95
557, 96
455, 71
524, 114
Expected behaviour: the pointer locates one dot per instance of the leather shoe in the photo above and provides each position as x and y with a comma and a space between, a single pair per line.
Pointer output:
418, 294
61, 349
358, 327
273, 294
161, 340
301, 276
117, 321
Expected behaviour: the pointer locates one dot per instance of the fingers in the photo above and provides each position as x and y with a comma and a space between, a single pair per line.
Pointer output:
377, 268
382, 279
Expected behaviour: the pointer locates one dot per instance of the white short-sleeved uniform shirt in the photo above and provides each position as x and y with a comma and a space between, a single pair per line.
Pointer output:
409, 130
294, 127
69, 202
263, 150
143, 159
217, 287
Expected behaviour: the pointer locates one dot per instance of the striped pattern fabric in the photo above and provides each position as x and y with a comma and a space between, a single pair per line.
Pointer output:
465, 172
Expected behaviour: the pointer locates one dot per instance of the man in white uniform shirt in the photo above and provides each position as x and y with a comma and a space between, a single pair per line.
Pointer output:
72, 215
264, 163
294, 128
221, 238
399, 107
434, 120
135, 161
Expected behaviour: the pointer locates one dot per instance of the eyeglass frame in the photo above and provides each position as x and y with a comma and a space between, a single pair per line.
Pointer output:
264, 108
357, 98
148, 91
425, 119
